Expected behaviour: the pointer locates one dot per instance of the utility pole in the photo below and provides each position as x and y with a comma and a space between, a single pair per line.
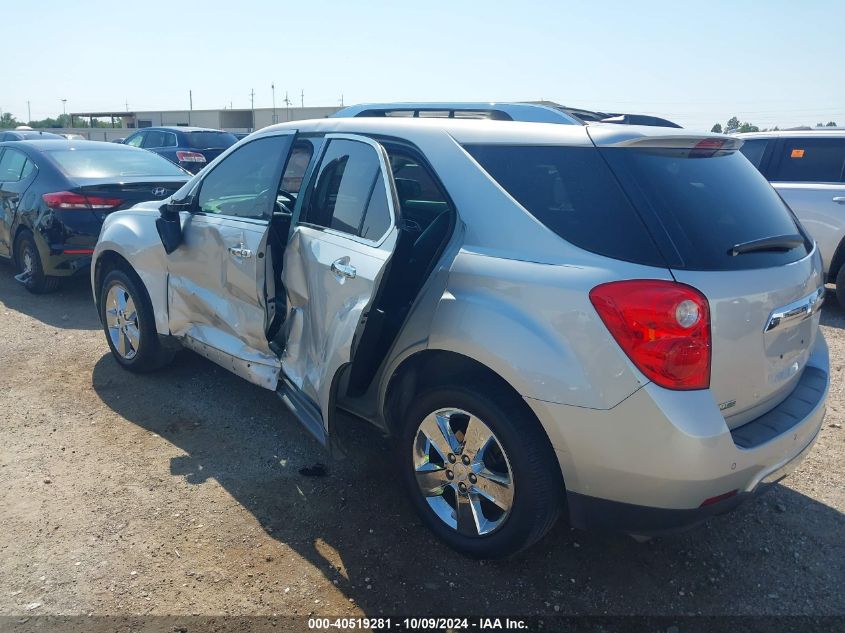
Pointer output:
273, 87
302, 98
287, 103
64, 106
28, 114
190, 104
252, 107
127, 105
341, 99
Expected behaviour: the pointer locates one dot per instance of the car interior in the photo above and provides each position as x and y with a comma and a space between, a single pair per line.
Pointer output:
425, 215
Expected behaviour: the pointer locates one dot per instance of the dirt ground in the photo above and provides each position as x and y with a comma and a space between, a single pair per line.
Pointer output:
180, 493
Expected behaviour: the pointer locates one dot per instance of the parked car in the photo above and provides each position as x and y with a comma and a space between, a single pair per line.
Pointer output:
189, 147
617, 322
22, 135
54, 196
807, 168
530, 112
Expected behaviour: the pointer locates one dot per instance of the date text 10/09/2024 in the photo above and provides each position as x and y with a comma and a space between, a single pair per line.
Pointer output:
418, 624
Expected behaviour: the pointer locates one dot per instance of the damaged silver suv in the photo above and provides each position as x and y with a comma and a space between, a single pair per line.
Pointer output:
615, 322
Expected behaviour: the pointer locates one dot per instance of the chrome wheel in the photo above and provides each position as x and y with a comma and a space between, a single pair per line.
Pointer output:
463, 472
27, 262
122, 322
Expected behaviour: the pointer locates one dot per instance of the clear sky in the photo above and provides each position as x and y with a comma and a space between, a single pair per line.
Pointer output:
770, 63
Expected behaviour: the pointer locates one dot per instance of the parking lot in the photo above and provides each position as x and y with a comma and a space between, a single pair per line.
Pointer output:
180, 493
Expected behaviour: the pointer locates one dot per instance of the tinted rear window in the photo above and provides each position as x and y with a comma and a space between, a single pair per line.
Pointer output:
210, 140
809, 160
705, 204
108, 163
573, 192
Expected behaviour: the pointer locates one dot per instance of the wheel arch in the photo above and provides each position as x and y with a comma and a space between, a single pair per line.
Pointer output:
836, 262
435, 367
109, 259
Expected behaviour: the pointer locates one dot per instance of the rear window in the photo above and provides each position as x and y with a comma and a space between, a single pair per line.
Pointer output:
705, 204
210, 140
809, 160
108, 163
573, 192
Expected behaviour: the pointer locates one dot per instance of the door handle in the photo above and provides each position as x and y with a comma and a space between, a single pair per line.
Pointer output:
839, 199
344, 269
240, 251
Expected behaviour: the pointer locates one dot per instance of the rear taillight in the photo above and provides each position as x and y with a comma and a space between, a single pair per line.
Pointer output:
663, 327
66, 200
190, 157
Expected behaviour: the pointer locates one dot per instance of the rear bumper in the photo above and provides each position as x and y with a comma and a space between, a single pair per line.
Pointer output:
647, 465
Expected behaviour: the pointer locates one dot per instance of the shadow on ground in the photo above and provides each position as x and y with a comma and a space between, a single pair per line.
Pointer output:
753, 561
70, 307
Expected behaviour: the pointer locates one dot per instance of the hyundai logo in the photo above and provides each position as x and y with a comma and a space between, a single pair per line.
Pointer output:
159, 191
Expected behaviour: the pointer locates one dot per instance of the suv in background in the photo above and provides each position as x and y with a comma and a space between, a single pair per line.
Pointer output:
528, 112
807, 168
189, 147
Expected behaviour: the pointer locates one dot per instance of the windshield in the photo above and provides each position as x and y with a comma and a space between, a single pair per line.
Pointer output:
210, 140
706, 203
113, 163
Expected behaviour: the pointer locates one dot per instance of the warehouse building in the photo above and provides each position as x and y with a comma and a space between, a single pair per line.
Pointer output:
232, 120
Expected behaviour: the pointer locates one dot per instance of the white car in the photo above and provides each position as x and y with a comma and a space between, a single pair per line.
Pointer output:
807, 168
613, 321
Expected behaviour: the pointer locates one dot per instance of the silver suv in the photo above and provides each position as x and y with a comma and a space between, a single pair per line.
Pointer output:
807, 168
615, 322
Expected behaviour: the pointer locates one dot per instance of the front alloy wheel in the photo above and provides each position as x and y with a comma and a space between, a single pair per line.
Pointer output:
122, 321
463, 472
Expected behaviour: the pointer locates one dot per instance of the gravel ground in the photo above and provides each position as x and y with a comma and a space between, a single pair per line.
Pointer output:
179, 493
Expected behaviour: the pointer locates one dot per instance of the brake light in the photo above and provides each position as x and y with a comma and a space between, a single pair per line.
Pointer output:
707, 147
663, 327
190, 157
66, 200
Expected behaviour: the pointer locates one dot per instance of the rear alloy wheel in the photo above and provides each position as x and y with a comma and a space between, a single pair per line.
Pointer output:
30, 268
479, 468
129, 324
463, 472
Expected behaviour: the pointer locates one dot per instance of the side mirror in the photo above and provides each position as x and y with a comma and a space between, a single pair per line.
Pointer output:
169, 227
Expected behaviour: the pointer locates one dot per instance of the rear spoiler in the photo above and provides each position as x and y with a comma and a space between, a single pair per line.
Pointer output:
668, 141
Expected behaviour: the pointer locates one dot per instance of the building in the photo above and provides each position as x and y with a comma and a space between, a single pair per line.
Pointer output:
232, 120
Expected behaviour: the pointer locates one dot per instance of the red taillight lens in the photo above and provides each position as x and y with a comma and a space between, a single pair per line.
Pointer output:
663, 327
67, 200
190, 157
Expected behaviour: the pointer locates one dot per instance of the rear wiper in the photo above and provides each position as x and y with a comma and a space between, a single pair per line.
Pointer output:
776, 243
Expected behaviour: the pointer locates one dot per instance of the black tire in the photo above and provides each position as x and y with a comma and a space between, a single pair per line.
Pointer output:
149, 354
27, 251
840, 287
538, 488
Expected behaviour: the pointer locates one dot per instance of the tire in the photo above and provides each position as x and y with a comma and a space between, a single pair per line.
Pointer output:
130, 333
30, 268
840, 287
519, 456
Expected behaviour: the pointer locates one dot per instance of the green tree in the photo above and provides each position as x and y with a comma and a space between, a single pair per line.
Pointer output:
819, 124
732, 125
8, 121
831, 124
748, 127
717, 128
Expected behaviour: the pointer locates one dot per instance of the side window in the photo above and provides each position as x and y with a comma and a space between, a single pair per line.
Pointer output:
11, 165
754, 149
245, 183
28, 168
420, 197
810, 160
350, 186
135, 140
168, 139
154, 138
